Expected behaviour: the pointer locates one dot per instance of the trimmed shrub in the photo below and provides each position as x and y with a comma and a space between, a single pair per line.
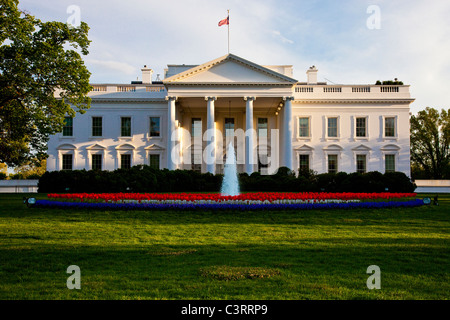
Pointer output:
143, 178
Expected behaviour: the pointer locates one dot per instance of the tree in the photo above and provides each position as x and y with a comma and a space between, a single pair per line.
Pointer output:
430, 142
42, 79
31, 169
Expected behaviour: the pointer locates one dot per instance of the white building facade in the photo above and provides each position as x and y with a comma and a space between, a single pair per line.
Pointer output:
187, 120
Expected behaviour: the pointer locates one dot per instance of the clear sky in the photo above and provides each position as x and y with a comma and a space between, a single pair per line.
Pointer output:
347, 40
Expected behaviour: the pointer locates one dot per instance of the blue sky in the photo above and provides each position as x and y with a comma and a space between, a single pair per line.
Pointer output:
412, 43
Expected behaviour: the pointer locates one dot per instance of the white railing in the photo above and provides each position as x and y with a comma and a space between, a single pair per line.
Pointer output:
389, 89
304, 89
126, 88
360, 89
325, 91
332, 89
99, 88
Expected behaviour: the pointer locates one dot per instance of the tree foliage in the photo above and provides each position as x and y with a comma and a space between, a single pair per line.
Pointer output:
41, 75
430, 142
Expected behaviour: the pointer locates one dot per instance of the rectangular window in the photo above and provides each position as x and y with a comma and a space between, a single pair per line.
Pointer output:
361, 163
68, 127
332, 127
97, 126
332, 163
154, 161
67, 163
304, 162
155, 127
303, 124
96, 162
263, 126
361, 127
125, 127
196, 162
125, 161
196, 127
389, 127
229, 127
389, 163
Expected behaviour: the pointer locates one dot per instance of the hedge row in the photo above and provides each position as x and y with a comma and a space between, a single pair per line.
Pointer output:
142, 178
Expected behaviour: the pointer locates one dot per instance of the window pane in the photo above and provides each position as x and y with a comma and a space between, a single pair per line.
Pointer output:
332, 127
68, 127
262, 127
332, 163
97, 126
390, 163
155, 127
304, 127
125, 161
125, 128
96, 162
361, 163
389, 127
304, 162
360, 127
154, 161
67, 162
196, 127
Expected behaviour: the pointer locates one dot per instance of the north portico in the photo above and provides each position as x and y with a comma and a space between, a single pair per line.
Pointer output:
228, 96
187, 120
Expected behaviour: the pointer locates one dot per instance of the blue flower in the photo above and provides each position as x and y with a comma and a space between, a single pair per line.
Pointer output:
233, 207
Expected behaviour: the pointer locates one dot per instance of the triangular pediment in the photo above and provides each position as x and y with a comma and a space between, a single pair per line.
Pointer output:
305, 148
230, 69
361, 148
154, 147
96, 147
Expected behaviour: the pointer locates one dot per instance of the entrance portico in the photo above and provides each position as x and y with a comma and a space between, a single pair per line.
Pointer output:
230, 100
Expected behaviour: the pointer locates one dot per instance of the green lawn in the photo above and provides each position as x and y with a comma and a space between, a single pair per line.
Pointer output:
224, 255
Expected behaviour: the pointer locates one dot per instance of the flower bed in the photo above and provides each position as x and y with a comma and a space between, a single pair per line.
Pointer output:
245, 201
226, 206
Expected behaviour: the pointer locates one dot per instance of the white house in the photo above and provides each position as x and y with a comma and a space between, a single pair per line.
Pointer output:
187, 120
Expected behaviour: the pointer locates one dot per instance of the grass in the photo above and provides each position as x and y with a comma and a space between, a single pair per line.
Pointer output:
223, 255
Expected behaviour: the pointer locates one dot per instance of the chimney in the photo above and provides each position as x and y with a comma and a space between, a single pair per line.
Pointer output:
147, 75
312, 75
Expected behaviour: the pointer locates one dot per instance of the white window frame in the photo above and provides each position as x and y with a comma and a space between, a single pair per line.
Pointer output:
130, 137
395, 137
125, 149
149, 137
91, 137
390, 153
366, 154
66, 149
366, 137
309, 137
338, 137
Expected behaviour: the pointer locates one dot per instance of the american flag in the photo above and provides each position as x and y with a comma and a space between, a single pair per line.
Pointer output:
224, 21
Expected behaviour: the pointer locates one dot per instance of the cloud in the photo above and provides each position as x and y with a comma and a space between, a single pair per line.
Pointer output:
277, 34
110, 65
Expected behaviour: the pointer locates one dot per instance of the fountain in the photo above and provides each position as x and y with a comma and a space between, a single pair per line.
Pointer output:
230, 183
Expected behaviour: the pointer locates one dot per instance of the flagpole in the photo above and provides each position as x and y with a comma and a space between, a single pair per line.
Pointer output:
228, 31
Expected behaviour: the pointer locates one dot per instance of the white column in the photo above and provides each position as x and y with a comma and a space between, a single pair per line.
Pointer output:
249, 136
288, 125
170, 128
211, 137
